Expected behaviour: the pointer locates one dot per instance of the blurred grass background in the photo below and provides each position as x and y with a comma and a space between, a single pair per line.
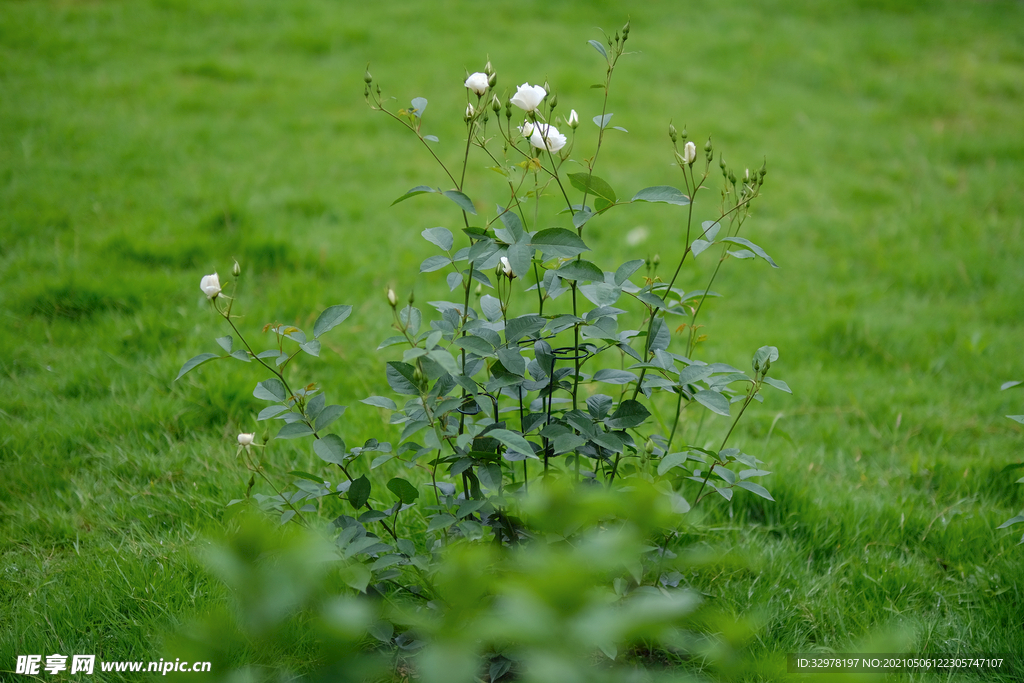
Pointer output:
144, 144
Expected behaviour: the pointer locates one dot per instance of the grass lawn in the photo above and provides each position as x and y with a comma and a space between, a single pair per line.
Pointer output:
145, 144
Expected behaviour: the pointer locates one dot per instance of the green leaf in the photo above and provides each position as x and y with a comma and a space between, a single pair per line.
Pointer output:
1010, 385
778, 384
419, 189
629, 414
591, 184
581, 271
558, 242
513, 232
419, 105
401, 378
661, 193
328, 415
380, 402
602, 121
754, 488
713, 401
195, 363
270, 390
671, 460
612, 376
330, 318
473, 344
765, 353
512, 361
490, 476
271, 411
627, 269
308, 476
330, 448
519, 257
600, 48
511, 440
752, 247
359, 492
224, 343
1017, 418
523, 326
405, 491
435, 262
442, 237
242, 355
441, 521
464, 202
294, 430
311, 347
1013, 520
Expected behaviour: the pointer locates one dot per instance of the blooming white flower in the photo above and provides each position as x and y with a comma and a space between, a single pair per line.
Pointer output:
574, 119
246, 439
506, 267
689, 152
210, 284
546, 136
528, 97
477, 83
526, 129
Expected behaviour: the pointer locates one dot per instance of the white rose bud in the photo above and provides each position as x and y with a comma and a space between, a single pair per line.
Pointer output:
210, 284
469, 111
574, 119
689, 152
546, 136
392, 299
506, 267
528, 97
526, 129
246, 439
477, 83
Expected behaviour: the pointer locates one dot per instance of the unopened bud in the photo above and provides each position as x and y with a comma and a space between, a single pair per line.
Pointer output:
672, 134
367, 78
488, 69
236, 270
764, 169
496, 104
732, 177
625, 30
412, 298
508, 109
492, 80
469, 111
506, 268
649, 446
721, 161
547, 87
574, 119
553, 101
656, 259
689, 153
479, 289
392, 299
616, 36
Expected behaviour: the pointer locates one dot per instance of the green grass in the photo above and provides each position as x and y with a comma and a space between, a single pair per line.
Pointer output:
143, 145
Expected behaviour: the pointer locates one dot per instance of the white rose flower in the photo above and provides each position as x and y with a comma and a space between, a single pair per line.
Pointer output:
689, 152
246, 439
546, 136
528, 97
477, 83
506, 267
210, 284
